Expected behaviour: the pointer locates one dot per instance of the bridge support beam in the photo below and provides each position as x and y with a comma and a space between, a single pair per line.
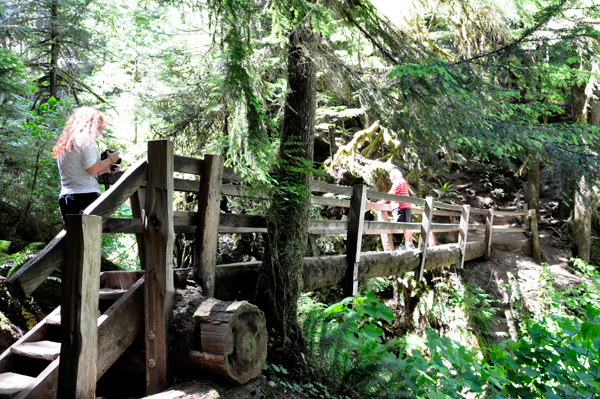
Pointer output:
158, 259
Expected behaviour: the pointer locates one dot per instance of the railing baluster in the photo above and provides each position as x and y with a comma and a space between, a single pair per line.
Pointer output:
424, 238
356, 219
462, 234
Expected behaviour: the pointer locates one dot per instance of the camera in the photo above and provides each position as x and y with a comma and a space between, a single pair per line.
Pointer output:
113, 167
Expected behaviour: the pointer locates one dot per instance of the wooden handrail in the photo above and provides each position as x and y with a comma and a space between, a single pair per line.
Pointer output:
34, 272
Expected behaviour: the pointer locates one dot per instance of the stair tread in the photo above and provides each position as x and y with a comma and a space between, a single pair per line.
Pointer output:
12, 383
111, 293
53, 320
46, 350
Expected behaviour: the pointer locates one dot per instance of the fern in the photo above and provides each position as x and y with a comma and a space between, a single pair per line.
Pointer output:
347, 342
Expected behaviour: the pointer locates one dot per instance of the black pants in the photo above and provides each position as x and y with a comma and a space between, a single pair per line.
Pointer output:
402, 215
74, 204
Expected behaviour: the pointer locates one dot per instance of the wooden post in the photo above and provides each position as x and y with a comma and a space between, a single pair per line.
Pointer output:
79, 307
159, 237
535, 238
462, 234
356, 218
209, 211
526, 219
387, 240
424, 238
312, 241
137, 201
489, 232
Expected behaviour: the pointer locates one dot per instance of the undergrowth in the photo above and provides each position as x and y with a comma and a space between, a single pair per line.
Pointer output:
557, 353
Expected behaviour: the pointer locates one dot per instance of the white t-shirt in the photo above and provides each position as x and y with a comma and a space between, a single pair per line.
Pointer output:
73, 165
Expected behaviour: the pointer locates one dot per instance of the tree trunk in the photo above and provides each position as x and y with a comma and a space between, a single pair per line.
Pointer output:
533, 187
582, 217
279, 284
582, 221
54, 50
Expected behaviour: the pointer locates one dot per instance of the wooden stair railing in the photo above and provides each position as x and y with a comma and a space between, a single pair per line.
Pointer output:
33, 273
29, 368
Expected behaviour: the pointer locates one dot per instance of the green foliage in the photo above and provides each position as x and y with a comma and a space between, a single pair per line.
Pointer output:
9, 264
557, 356
477, 305
29, 179
445, 192
15, 85
121, 249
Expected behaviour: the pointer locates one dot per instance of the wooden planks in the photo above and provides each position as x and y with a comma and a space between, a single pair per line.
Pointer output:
319, 186
158, 258
448, 207
356, 219
79, 307
119, 326
34, 272
373, 227
328, 226
206, 241
242, 191
378, 195
187, 165
124, 188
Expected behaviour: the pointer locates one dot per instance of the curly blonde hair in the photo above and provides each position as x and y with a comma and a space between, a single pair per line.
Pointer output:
86, 123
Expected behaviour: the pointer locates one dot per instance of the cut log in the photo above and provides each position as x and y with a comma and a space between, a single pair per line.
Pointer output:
232, 341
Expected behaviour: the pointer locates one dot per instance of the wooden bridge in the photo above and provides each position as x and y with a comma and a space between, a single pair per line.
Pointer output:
72, 348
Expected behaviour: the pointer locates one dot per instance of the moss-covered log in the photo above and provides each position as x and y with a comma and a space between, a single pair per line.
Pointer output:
321, 272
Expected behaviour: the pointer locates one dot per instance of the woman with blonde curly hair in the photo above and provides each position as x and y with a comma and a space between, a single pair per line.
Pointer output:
79, 161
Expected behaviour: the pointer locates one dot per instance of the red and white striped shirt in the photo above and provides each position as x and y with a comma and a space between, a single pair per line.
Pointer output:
399, 187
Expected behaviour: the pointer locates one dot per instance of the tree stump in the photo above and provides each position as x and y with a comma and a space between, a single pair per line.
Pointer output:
232, 341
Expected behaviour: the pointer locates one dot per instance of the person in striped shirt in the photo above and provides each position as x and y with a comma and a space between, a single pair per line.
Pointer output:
401, 210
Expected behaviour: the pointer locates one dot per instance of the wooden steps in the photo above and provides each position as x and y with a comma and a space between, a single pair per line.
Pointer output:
45, 350
12, 383
29, 368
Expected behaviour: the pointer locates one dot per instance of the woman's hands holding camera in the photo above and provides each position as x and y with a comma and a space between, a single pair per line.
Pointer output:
107, 164
113, 156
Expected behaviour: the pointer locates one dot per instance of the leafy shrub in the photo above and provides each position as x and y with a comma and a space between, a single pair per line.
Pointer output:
9, 264
557, 356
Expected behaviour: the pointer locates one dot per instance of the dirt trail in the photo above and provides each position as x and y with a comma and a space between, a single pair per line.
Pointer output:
511, 268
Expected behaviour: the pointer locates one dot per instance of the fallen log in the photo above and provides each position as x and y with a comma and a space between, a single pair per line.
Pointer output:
327, 271
226, 339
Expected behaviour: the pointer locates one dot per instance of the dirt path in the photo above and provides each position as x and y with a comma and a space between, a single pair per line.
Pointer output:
512, 279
